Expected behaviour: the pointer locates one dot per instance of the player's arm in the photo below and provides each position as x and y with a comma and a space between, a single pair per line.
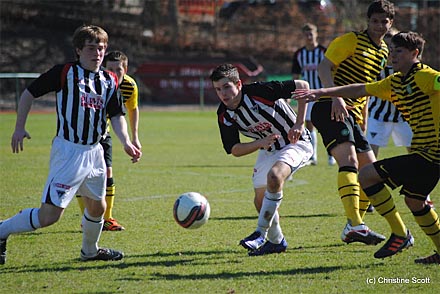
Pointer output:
24, 106
119, 126
298, 128
364, 124
325, 68
241, 149
348, 91
133, 115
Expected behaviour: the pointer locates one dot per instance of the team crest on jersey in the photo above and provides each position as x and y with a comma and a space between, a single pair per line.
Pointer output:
409, 89
437, 83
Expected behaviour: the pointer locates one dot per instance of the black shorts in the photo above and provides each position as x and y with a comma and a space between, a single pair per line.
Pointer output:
107, 146
335, 132
417, 175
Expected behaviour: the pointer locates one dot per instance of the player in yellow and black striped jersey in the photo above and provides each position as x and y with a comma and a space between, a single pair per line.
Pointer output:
117, 62
415, 91
355, 57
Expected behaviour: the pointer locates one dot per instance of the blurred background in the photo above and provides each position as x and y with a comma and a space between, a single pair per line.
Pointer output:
173, 45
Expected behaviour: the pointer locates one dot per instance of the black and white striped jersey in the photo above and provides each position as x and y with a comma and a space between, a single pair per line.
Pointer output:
305, 63
261, 112
84, 99
382, 110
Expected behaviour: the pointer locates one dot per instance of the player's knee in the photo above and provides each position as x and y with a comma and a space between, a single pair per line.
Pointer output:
274, 179
368, 176
415, 204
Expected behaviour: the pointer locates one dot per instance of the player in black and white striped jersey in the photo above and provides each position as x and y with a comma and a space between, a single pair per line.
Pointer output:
85, 96
305, 67
260, 111
384, 120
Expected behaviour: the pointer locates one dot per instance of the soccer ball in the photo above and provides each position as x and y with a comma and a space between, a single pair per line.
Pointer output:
191, 210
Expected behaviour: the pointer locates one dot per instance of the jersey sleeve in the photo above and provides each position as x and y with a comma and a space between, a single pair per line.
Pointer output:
270, 91
381, 89
229, 133
131, 87
341, 48
47, 82
428, 80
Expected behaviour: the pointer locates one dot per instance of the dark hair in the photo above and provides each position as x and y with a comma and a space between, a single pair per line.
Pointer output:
381, 6
410, 41
226, 70
116, 56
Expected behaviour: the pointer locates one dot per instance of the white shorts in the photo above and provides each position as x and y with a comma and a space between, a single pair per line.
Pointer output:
309, 110
379, 133
74, 168
295, 155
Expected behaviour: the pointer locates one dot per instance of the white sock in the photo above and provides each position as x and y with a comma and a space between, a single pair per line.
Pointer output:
91, 227
24, 221
275, 234
314, 138
271, 202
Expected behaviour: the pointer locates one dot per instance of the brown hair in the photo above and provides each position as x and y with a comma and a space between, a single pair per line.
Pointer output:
88, 32
410, 41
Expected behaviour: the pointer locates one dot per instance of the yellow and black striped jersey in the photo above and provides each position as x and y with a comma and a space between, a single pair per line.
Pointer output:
357, 60
129, 91
417, 97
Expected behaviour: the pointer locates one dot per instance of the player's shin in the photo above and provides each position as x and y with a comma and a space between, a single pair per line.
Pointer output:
428, 221
383, 202
271, 202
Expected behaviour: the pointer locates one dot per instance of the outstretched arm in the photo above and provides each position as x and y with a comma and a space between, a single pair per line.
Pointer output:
348, 91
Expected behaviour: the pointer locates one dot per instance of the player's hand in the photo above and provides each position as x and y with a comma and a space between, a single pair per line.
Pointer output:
133, 152
267, 142
137, 143
305, 94
295, 133
339, 109
17, 140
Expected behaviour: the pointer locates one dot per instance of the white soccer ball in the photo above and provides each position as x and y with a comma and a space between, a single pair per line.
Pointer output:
191, 210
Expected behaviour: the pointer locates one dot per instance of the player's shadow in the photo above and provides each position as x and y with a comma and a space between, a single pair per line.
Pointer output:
257, 273
254, 217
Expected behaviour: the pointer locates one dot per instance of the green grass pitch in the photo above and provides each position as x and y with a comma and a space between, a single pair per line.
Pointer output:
182, 152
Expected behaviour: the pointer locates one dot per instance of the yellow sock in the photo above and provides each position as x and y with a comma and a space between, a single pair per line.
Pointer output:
428, 220
383, 202
348, 188
109, 198
364, 202
81, 204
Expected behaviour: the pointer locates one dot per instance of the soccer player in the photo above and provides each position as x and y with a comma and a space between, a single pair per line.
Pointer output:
259, 111
85, 96
305, 67
414, 89
384, 120
355, 57
117, 62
